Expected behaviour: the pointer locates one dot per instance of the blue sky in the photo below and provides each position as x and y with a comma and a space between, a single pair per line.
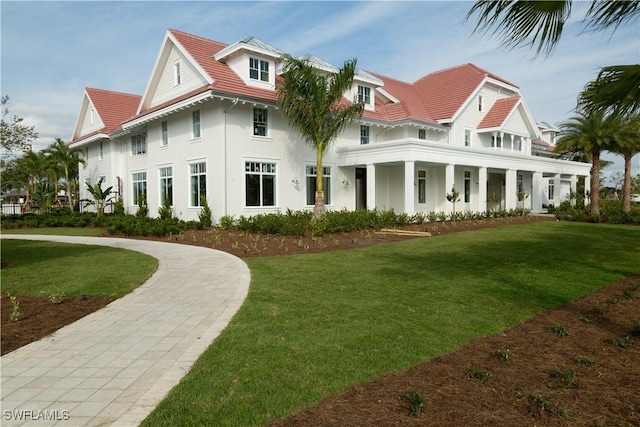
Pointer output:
51, 51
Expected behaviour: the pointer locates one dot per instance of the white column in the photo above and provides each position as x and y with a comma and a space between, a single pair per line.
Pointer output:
510, 189
587, 189
371, 186
572, 187
556, 190
512, 143
501, 141
482, 189
409, 187
449, 181
536, 192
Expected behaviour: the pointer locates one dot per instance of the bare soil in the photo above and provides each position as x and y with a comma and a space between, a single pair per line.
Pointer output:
578, 365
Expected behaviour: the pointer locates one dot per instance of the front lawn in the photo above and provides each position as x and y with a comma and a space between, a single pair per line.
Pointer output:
315, 324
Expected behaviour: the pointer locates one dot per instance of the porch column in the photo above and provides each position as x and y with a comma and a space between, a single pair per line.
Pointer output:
512, 144
587, 189
573, 184
556, 190
501, 141
449, 181
371, 186
510, 189
409, 187
536, 192
482, 189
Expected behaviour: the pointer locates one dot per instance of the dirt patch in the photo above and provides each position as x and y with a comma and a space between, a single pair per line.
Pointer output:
578, 365
39, 318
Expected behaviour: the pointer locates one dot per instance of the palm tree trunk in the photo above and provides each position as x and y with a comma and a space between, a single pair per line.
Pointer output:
66, 175
319, 207
626, 189
595, 183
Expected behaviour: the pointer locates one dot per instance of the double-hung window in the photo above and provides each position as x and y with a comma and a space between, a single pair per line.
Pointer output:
311, 179
139, 182
138, 144
364, 94
260, 184
260, 122
467, 138
496, 141
198, 175
196, 124
258, 69
422, 186
165, 133
166, 185
364, 134
422, 134
552, 188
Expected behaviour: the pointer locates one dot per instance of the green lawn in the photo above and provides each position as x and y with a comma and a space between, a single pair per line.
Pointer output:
314, 325
57, 231
38, 268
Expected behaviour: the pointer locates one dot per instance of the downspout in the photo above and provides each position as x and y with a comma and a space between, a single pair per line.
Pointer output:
224, 154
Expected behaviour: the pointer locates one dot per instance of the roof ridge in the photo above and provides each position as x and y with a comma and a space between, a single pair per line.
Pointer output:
195, 36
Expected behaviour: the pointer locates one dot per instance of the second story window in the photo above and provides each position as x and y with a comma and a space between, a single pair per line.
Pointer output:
364, 135
467, 138
422, 134
165, 133
196, 124
364, 94
138, 144
260, 122
258, 69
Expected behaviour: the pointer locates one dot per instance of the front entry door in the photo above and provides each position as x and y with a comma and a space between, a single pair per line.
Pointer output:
361, 188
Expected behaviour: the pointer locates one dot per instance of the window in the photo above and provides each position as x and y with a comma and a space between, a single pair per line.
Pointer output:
496, 141
198, 174
480, 103
166, 185
177, 76
92, 118
165, 133
364, 134
364, 94
138, 144
422, 134
311, 184
260, 184
467, 186
467, 138
422, 186
519, 146
260, 121
551, 189
101, 152
258, 69
139, 181
520, 183
196, 124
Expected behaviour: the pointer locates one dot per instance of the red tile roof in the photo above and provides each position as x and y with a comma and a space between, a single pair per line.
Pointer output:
499, 113
113, 107
445, 91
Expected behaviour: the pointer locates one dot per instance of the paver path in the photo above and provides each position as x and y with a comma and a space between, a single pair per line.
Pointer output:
114, 366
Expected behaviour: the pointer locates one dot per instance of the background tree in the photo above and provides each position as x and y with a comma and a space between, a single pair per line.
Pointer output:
14, 134
627, 144
312, 101
67, 159
591, 134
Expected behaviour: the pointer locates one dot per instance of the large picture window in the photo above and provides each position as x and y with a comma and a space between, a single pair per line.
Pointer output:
139, 182
138, 144
260, 184
260, 121
198, 178
311, 179
166, 185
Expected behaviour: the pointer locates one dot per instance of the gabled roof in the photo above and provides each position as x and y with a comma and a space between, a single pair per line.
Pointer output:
446, 91
499, 113
113, 108
249, 43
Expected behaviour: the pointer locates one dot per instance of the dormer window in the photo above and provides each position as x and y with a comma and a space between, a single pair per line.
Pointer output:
364, 94
258, 69
177, 76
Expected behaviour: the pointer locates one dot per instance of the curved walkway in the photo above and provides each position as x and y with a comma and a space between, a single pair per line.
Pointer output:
114, 366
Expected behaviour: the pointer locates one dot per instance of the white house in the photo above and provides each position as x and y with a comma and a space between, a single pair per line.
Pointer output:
207, 125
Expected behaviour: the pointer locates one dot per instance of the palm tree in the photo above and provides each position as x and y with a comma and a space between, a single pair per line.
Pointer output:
628, 145
590, 134
310, 99
67, 159
539, 24
101, 198
615, 89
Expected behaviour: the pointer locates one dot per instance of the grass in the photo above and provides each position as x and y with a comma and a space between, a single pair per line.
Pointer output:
314, 325
36, 268
58, 231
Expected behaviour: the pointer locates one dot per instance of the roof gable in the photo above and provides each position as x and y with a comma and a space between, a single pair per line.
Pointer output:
110, 108
499, 112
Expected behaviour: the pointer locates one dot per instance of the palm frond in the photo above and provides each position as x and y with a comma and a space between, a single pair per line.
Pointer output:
603, 15
615, 90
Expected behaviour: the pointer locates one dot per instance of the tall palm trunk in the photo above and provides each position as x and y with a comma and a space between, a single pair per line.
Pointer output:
626, 189
319, 206
69, 198
595, 182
